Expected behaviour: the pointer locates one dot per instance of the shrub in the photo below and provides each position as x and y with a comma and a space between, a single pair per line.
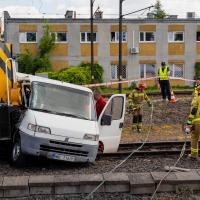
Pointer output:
53, 75
25, 62
76, 75
97, 69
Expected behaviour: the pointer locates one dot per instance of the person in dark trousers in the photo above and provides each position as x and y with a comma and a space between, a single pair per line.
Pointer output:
100, 102
163, 73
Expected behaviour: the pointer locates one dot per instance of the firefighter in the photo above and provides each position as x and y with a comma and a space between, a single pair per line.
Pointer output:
135, 101
193, 124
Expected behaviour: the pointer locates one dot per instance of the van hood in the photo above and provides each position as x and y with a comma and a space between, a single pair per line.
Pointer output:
65, 126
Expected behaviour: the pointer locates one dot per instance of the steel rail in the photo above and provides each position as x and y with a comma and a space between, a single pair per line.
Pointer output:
150, 148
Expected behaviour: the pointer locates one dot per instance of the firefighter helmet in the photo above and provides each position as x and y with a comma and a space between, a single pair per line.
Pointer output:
198, 89
141, 85
163, 63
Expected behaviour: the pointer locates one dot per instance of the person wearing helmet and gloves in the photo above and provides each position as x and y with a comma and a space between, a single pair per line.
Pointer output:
135, 102
193, 123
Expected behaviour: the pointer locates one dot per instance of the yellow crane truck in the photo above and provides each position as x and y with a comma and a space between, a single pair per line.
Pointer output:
10, 96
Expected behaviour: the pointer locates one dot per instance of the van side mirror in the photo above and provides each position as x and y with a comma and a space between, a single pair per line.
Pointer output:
106, 120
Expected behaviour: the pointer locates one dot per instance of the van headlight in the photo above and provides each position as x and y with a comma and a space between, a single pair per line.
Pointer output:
39, 129
91, 137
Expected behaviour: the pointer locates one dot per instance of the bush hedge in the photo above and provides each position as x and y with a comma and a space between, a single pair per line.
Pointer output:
78, 74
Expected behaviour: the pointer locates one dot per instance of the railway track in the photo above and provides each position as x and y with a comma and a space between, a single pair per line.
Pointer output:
150, 148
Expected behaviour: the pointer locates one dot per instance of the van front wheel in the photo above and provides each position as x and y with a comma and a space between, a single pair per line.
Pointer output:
17, 156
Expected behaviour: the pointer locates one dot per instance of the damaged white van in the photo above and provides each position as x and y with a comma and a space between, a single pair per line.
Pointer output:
60, 122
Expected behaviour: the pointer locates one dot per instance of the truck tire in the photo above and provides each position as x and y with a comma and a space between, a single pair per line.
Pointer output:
17, 157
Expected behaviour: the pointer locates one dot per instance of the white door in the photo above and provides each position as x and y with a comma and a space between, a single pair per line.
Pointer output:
111, 122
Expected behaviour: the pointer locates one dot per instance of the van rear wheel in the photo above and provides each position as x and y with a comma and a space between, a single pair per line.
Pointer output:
17, 157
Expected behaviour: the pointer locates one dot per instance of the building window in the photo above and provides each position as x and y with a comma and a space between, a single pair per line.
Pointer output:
86, 37
198, 36
147, 70
60, 36
114, 37
176, 70
147, 36
115, 72
175, 36
28, 37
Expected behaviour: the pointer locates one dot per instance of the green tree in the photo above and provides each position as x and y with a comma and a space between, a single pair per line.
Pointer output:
47, 42
97, 70
158, 12
25, 62
40, 63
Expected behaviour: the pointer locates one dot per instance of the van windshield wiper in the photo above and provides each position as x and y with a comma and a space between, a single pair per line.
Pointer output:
43, 110
58, 113
74, 115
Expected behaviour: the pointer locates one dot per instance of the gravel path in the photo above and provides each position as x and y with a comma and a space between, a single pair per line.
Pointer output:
167, 121
133, 165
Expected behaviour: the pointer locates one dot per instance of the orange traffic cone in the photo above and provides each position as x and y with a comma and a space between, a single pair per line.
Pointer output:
173, 99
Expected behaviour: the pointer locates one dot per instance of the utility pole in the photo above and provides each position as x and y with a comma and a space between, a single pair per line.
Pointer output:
120, 46
92, 40
120, 39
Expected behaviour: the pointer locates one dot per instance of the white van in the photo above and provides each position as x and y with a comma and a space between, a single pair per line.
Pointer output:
60, 122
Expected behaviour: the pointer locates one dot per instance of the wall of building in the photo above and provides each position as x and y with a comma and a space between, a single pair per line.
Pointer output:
73, 52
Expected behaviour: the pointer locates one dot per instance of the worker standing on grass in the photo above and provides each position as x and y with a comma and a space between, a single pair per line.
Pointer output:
135, 102
163, 73
193, 124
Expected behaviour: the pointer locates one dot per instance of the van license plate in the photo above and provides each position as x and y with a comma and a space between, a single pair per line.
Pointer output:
57, 156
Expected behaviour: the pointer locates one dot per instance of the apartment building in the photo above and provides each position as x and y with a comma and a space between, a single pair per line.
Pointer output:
146, 43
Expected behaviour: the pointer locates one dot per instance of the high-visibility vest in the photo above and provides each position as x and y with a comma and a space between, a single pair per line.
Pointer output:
163, 74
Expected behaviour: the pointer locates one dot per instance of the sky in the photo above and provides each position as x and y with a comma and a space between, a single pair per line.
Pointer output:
110, 8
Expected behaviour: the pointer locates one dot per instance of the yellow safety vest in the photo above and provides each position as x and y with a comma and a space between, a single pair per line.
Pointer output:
163, 74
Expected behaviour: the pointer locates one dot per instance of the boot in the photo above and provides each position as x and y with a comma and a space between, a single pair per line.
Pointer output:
139, 126
134, 127
193, 157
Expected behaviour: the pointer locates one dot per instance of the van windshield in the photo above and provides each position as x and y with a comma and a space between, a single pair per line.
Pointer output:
62, 100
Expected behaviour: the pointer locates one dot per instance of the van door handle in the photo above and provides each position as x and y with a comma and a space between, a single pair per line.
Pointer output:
121, 125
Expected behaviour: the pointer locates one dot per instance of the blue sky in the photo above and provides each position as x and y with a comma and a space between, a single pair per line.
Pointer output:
57, 8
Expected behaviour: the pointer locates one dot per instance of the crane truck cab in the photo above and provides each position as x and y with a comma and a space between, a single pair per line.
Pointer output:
44, 117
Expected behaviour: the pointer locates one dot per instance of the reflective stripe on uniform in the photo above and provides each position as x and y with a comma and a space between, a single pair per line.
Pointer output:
196, 119
193, 150
138, 94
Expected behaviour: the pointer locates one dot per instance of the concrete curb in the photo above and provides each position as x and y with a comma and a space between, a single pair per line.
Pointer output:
135, 183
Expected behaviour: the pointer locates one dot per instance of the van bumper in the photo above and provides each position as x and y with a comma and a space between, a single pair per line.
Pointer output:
57, 150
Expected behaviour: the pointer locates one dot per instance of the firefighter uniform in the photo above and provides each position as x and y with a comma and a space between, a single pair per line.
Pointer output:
194, 121
135, 101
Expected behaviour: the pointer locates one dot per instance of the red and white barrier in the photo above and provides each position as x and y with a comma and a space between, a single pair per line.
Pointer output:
136, 80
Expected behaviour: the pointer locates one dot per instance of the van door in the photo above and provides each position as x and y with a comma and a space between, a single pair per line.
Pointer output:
111, 122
